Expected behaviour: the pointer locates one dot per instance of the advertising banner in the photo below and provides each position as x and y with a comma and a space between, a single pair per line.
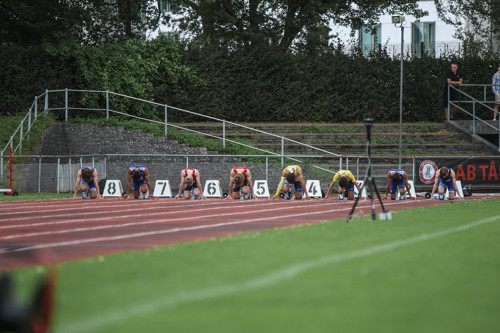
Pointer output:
469, 170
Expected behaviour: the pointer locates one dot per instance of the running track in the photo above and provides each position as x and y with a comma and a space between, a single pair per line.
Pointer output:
40, 232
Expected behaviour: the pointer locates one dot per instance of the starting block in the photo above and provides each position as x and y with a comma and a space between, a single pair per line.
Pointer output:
162, 189
363, 192
261, 189
313, 189
412, 189
113, 188
212, 189
457, 190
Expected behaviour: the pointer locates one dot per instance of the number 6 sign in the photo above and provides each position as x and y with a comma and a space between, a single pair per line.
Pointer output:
212, 189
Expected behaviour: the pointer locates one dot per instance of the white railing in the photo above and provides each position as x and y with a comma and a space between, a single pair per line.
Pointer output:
466, 99
66, 106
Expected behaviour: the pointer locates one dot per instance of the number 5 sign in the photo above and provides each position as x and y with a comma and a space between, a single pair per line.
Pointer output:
212, 189
260, 188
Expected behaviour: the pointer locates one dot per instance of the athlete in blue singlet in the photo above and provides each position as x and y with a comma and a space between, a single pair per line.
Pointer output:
88, 183
139, 176
397, 181
445, 178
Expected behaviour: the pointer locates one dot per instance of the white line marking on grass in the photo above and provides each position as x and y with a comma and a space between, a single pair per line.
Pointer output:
159, 304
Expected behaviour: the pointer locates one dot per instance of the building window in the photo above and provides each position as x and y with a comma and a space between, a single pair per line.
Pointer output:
423, 38
170, 34
369, 38
169, 6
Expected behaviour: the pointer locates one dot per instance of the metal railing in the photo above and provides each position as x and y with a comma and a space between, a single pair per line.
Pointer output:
65, 105
57, 173
466, 99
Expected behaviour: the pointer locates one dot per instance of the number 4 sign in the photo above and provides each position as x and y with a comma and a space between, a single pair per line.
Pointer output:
313, 189
260, 188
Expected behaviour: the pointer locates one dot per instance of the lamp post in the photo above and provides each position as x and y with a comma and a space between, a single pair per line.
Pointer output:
400, 19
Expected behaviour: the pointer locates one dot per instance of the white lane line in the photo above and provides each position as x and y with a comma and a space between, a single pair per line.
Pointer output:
149, 306
164, 231
144, 211
129, 224
96, 205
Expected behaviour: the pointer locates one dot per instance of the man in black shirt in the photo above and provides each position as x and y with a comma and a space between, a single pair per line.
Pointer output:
454, 78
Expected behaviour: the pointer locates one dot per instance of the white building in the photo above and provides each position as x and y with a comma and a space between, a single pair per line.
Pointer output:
427, 35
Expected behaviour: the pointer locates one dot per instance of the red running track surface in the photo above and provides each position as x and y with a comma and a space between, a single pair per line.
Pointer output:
48, 231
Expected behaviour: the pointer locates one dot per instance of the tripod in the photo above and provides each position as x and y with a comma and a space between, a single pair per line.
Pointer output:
369, 180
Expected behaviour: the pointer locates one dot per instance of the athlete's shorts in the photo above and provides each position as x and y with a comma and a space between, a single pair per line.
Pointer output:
395, 186
296, 185
90, 184
136, 186
189, 188
238, 188
449, 185
350, 186
497, 98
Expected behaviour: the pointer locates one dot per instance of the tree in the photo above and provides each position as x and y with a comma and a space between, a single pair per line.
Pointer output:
92, 22
282, 22
477, 22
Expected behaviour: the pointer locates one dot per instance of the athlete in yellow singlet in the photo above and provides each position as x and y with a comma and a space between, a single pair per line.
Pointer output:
291, 175
346, 183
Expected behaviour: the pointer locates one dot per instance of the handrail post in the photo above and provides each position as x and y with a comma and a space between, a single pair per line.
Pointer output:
1, 165
224, 133
21, 136
46, 106
187, 162
473, 116
39, 172
448, 109
340, 163
107, 104
57, 182
282, 151
36, 107
357, 167
267, 169
166, 130
65, 106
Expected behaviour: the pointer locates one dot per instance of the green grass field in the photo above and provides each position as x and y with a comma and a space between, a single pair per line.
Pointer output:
433, 269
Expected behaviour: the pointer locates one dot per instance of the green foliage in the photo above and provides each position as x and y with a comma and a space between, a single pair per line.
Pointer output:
247, 84
147, 70
9, 124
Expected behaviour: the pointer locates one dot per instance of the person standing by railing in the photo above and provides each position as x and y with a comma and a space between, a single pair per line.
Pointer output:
454, 78
495, 87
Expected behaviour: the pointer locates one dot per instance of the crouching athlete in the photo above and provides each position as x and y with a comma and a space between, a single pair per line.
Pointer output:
240, 180
292, 176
